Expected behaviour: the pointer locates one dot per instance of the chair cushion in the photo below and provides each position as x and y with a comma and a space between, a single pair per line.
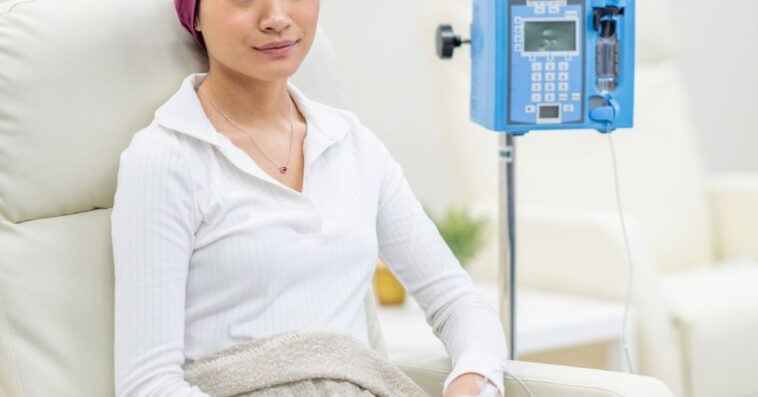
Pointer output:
77, 79
56, 306
715, 312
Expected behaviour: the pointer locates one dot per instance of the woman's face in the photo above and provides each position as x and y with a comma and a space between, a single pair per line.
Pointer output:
236, 31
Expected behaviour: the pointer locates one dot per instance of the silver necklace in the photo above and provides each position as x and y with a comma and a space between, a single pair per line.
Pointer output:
282, 168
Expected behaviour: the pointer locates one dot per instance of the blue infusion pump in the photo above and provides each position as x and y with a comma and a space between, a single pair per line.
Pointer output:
546, 65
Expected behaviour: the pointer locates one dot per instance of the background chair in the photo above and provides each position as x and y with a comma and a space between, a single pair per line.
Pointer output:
694, 237
77, 79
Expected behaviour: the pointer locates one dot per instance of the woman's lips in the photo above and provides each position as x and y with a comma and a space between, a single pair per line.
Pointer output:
278, 50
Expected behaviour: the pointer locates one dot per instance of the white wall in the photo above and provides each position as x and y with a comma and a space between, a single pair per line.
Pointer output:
718, 46
377, 45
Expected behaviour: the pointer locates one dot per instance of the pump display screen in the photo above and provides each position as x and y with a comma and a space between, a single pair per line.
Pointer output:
549, 112
547, 36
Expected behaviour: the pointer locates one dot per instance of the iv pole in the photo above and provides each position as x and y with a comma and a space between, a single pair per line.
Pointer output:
507, 232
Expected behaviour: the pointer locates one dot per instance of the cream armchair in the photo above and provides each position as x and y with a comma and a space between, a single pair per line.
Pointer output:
694, 238
77, 79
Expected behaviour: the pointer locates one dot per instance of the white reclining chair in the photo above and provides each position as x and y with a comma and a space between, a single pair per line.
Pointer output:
694, 239
77, 79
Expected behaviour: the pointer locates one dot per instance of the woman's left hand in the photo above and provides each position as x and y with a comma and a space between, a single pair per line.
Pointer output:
466, 385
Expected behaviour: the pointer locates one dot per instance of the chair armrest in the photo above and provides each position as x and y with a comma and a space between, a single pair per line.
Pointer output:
429, 372
734, 215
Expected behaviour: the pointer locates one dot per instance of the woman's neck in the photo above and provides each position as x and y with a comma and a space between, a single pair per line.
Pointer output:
249, 102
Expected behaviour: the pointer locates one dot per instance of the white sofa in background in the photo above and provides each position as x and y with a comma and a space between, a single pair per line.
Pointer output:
694, 236
77, 79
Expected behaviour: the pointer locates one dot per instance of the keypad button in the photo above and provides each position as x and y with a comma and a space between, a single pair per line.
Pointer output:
549, 76
529, 109
563, 66
536, 97
563, 96
536, 76
575, 96
550, 66
536, 67
568, 107
517, 47
549, 86
549, 97
539, 10
553, 9
563, 86
563, 76
536, 87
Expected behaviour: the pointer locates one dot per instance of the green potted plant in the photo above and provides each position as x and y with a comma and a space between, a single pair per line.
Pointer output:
464, 233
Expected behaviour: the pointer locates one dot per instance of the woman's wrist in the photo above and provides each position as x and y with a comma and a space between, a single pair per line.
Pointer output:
467, 384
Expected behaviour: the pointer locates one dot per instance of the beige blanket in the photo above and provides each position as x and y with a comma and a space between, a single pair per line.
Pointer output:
300, 363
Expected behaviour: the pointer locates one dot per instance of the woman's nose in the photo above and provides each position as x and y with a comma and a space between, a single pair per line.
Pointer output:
275, 15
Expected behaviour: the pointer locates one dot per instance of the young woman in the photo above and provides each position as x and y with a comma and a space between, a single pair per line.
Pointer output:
246, 209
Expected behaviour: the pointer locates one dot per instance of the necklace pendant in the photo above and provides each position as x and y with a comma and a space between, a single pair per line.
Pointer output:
283, 169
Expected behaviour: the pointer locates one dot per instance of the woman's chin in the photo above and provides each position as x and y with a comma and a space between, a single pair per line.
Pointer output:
263, 69
275, 72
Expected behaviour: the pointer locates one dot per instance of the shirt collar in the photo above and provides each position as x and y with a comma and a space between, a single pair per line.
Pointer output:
184, 114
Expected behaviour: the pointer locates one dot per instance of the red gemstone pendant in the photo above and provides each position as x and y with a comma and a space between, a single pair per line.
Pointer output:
283, 169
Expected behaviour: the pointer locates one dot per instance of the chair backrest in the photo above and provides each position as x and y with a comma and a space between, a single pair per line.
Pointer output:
77, 79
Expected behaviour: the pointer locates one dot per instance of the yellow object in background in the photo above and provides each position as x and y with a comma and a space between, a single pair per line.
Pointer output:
389, 291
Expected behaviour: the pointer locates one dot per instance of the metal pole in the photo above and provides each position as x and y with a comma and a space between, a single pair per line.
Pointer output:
507, 246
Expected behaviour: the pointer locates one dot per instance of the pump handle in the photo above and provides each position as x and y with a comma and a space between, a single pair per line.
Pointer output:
447, 41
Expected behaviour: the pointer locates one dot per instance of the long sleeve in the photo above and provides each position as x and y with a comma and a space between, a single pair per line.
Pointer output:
152, 226
412, 247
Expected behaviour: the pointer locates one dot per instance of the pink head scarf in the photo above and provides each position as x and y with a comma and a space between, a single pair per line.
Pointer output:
186, 10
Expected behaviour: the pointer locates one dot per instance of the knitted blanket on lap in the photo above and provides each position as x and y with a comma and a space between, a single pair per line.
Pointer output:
300, 363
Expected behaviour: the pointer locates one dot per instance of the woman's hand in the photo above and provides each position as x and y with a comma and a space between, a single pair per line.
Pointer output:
467, 385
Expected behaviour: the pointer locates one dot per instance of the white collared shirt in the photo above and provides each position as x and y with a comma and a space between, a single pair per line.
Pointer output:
211, 251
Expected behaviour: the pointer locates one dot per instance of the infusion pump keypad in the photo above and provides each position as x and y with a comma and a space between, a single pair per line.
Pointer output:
546, 76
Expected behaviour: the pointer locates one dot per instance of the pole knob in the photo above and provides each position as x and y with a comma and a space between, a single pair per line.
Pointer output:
447, 41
